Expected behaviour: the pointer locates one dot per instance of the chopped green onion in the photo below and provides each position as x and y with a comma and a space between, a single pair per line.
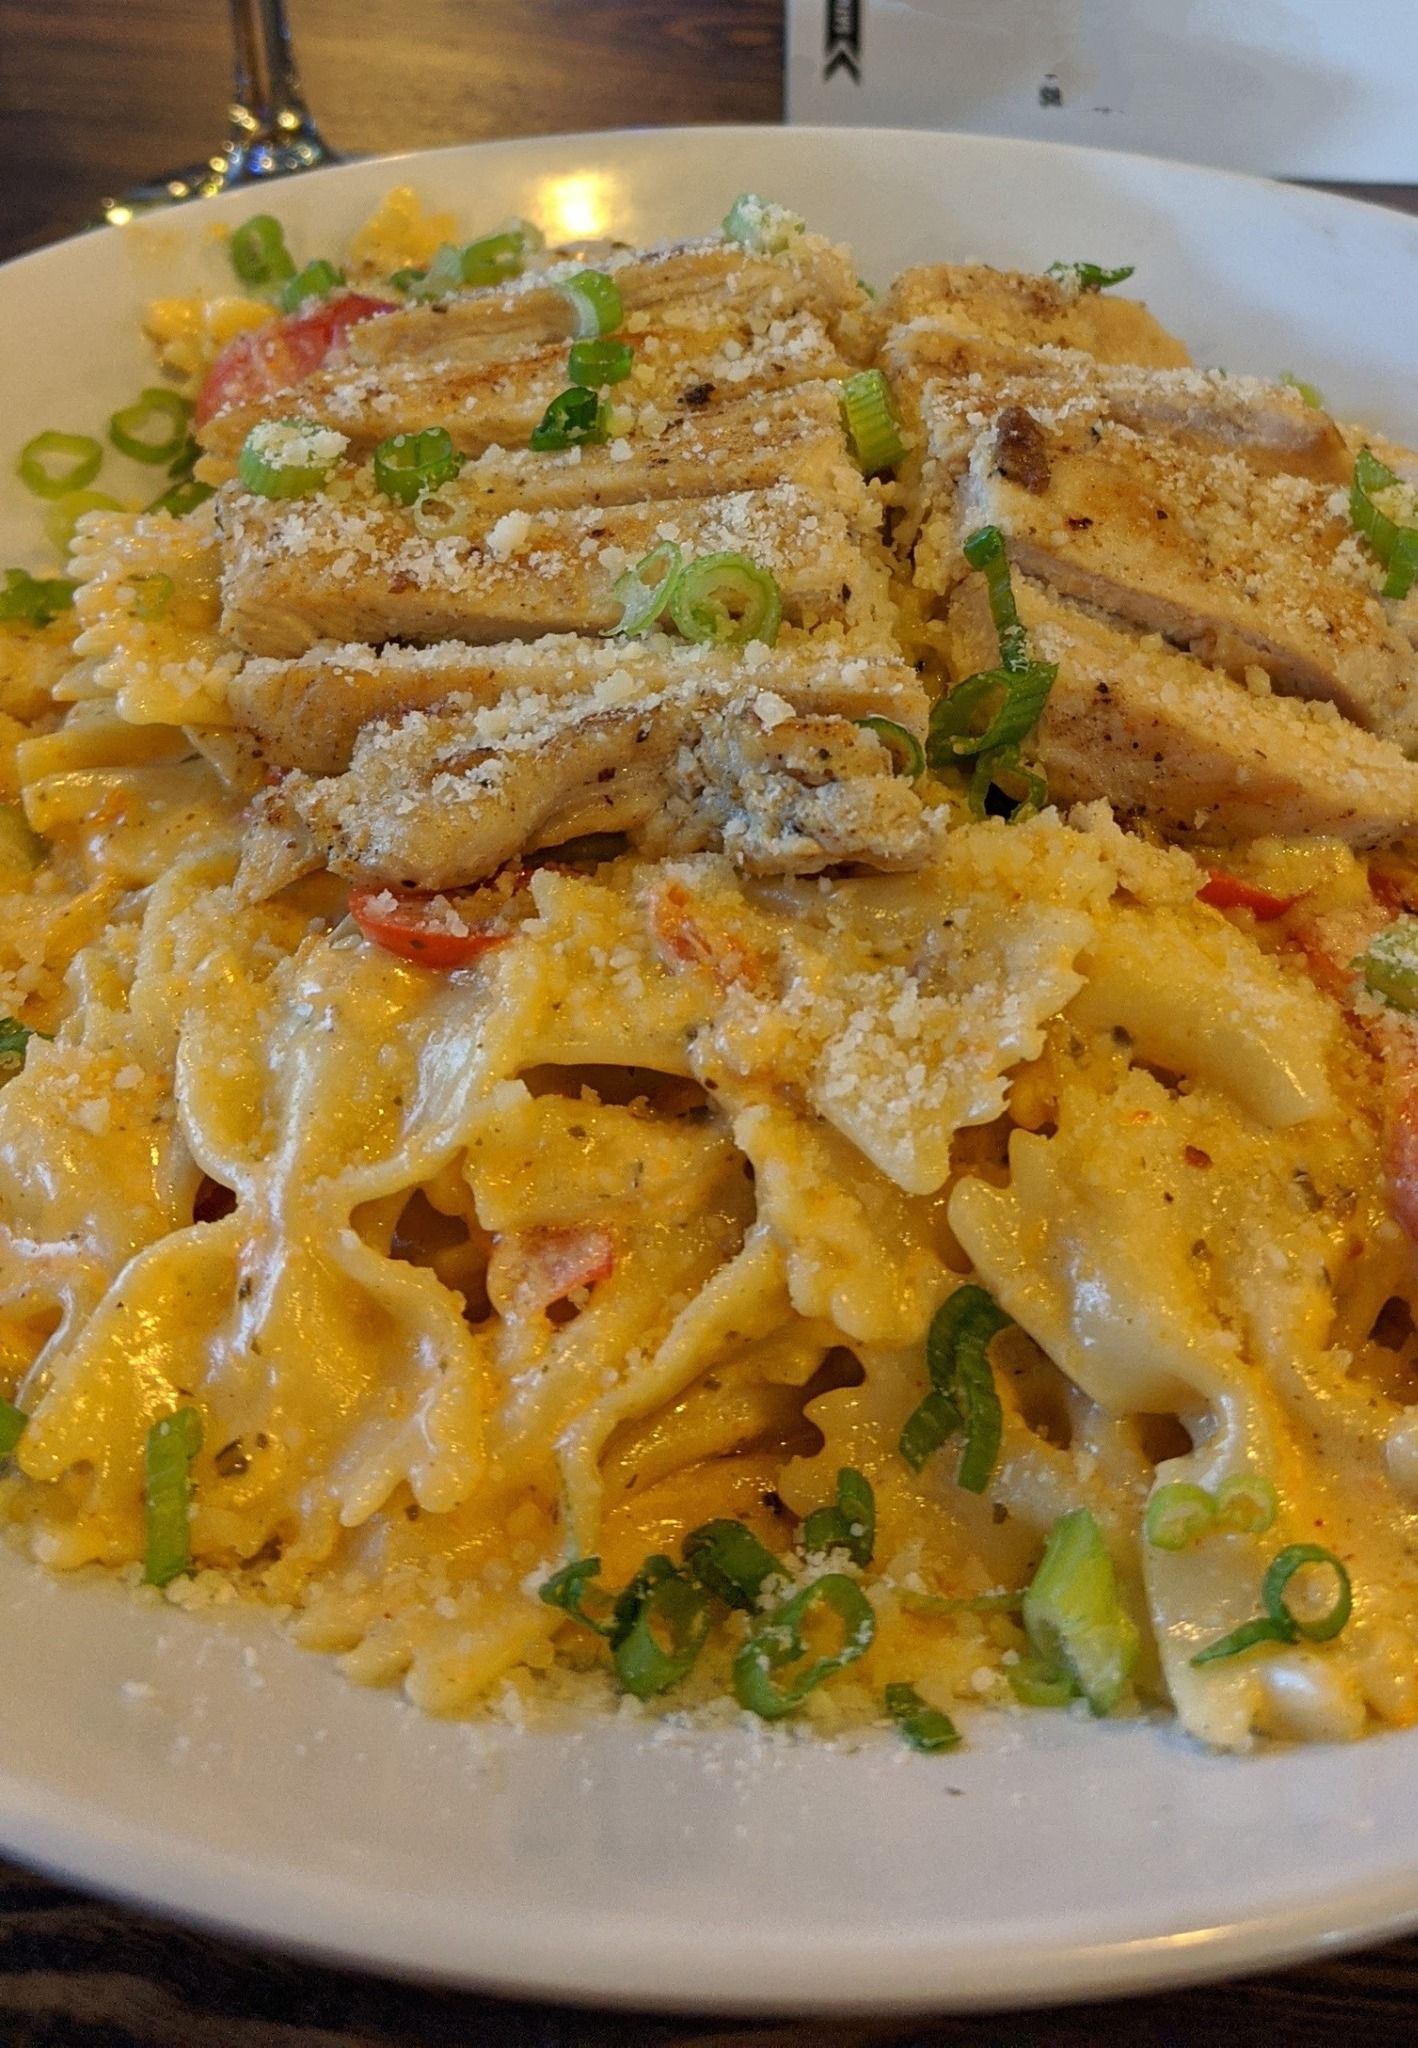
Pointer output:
14, 1037
181, 498
661, 1624
872, 425
1280, 1623
850, 1525
259, 255
287, 458
595, 301
1389, 964
52, 464
1246, 1637
491, 260
1396, 546
923, 1726
1012, 696
407, 280
1178, 1515
729, 1561
1089, 277
761, 225
33, 600
645, 590
173, 1442
778, 1642
407, 465
962, 1395
598, 363
568, 1590
728, 600
153, 428
1299, 1557
1311, 393
1074, 1617
63, 516
12, 1427
1246, 1505
908, 756
316, 281
152, 595
573, 418
184, 461
1037, 1684
985, 550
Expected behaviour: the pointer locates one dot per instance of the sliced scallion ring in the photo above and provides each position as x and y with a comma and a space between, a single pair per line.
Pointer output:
1089, 277
908, 756
493, 259
1310, 393
61, 519
1178, 1515
181, 498
962, 1395
1395, 546
1246, 1637
761, 225
1303, 1557
258, 251
779, 1642
15, 1036
12, 1427
599, 362
1389, 965
316, 281
571, 1588
985, 550
729, 1561
153, 428
849, 1525
872, 426
33, 600
923, 1725
661, 1624
173, 1442
288, 458
1037, 1684
1074, 1615
407, 465
574, 418
595, 301
53, 463
728, 600
645, 590
1246, 1504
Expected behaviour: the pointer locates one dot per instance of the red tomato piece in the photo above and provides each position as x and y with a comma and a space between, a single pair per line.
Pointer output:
266, 360
689, 933
531, 1269
425, 929
1229, 892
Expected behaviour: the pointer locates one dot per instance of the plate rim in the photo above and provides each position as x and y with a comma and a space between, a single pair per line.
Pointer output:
151, 1869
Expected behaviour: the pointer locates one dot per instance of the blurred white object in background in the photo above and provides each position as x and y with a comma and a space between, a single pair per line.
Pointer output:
1294, 88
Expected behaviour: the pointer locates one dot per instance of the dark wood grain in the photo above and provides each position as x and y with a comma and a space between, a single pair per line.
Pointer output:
95, 94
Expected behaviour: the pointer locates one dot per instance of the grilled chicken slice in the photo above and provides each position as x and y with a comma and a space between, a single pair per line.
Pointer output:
1247, 571
498, 402
956, 383
730, 762
1020, 310
657, 285
352, 565
308, 713
1192, 751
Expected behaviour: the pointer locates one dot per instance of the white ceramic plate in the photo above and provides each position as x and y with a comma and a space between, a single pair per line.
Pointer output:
209, 1770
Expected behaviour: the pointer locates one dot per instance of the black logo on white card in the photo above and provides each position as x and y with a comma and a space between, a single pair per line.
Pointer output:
842, 41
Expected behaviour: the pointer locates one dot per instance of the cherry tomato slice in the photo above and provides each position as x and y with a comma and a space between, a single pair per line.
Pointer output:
266, 360
412, 929
531, 1269
1229, 892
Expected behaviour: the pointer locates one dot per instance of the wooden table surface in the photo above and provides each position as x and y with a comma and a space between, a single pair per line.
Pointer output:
95, 94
